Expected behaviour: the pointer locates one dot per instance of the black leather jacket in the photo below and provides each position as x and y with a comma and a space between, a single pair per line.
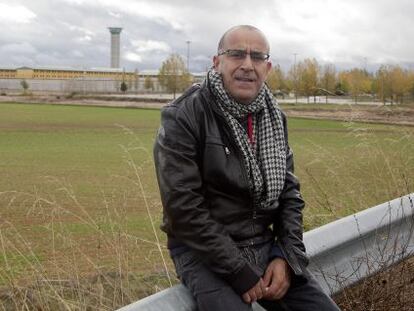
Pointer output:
205, 194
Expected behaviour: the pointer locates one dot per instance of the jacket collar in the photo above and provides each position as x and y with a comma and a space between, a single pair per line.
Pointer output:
210, 98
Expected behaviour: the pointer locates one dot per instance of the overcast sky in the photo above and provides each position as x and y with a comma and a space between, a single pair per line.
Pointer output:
74, 32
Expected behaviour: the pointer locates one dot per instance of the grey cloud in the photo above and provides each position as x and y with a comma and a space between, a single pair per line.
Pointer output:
19, 48
74, 33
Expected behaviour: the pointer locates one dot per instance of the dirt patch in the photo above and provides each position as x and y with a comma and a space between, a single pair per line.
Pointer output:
86, 101
376, 114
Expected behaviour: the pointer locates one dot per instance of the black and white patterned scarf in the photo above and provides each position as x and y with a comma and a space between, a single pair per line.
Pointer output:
265, 160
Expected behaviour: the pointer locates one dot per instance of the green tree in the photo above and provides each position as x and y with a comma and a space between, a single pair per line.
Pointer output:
124, 86
24, 85
173, 74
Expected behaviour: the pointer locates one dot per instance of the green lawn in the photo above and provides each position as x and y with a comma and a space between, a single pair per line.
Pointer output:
78, 191
70, 188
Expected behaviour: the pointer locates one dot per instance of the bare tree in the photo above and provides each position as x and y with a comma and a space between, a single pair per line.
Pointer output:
328, 80
308, 72
173, 74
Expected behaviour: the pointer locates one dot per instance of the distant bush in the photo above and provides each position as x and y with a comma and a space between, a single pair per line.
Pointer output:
124, 86
71, 95
25, 86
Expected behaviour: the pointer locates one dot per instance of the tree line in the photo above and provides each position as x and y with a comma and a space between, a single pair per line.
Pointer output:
390, 83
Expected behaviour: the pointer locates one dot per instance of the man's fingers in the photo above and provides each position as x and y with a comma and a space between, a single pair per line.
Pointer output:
246, 298
259, 290
277, 278
262, 288
260, 293
268, 276
253, 296
277, 290
272, 282
255, 293
271, 292
281, 291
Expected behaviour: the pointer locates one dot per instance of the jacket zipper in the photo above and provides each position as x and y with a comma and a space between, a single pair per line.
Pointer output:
244, 173
293, 263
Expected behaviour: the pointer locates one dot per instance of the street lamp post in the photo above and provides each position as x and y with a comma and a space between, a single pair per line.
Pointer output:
188, 55
295, 79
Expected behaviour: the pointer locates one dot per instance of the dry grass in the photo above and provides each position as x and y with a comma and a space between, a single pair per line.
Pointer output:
64, 246
83, 260
392, 289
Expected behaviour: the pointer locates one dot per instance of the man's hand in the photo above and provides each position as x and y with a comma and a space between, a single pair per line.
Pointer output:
276, 279
255, 293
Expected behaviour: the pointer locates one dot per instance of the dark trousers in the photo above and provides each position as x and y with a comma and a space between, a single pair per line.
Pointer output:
214, 294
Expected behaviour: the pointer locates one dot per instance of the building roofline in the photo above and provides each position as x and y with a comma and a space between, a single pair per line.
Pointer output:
63, 68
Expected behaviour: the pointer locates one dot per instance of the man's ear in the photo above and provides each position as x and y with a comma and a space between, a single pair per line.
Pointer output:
268, 67
216, 62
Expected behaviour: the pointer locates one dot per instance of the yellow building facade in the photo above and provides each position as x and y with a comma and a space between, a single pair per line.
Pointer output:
77, 80
66, 73
6, 73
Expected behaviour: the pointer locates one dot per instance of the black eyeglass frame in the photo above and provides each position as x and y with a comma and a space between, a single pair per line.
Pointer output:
255, 56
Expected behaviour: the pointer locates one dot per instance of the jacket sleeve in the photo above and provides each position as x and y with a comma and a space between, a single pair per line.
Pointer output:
177, 156
289, 220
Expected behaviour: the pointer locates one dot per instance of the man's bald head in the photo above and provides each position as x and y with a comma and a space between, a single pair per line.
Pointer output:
243, 72
222, 41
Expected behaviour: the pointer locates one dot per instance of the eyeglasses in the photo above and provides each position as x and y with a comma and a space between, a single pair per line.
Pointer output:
241, 54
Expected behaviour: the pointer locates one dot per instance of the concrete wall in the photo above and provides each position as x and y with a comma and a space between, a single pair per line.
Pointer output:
77, 85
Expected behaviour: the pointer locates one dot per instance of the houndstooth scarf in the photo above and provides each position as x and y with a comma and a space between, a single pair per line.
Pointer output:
264, 160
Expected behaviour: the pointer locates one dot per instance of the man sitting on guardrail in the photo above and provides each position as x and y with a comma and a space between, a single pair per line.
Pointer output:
232, 205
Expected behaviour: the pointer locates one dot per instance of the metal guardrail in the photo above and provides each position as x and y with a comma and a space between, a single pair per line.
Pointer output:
341, 253
357, 246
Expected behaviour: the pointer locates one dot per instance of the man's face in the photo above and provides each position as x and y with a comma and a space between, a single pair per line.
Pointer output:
243, 77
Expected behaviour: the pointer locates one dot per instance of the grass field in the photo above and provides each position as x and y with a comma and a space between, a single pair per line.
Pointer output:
80, 209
